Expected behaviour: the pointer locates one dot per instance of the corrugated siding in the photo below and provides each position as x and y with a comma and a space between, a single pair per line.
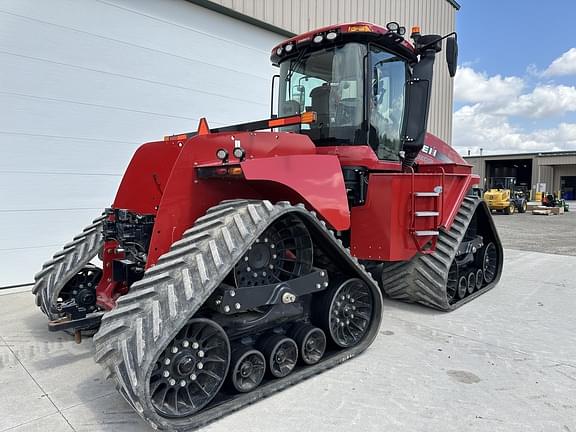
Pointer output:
557, 160
544, 174
434, 16
478, 166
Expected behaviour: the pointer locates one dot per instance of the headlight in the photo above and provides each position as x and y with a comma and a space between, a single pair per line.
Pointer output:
222, 154
239, 153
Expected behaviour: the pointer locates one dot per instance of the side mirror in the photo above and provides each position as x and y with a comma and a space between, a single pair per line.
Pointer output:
416, 117
452, 55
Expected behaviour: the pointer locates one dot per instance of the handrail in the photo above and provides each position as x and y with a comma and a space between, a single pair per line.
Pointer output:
412, 209
439, 211
441, 215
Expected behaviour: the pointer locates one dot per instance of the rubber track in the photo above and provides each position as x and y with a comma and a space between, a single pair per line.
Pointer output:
423, 279
147, 319
49, 281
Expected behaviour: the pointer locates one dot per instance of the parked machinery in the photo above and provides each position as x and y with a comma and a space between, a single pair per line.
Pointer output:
552, 200
236, 263
502, 195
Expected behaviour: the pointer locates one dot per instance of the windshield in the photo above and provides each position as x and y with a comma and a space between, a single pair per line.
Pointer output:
331, 83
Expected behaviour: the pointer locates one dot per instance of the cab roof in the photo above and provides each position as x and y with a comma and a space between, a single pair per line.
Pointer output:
354, 31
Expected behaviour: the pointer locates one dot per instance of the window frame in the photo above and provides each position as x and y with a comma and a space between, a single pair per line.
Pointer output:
372, 61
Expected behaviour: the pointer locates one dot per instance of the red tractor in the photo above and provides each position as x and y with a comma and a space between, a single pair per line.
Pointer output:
236, 263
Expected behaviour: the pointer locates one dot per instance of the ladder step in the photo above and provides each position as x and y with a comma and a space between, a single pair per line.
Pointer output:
426, 213
426, 194
426, 233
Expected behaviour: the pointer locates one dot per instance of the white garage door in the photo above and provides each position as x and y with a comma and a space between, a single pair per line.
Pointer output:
84, 82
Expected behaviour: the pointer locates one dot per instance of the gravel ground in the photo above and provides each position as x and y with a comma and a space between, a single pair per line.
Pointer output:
548, 234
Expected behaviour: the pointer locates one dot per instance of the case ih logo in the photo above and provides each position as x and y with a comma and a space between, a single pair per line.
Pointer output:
429, 150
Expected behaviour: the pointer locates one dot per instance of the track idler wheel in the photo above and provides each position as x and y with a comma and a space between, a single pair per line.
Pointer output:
462, 287
347, 312
479, 278
247, 369
489, 262
311, 343
191, 370
281, 354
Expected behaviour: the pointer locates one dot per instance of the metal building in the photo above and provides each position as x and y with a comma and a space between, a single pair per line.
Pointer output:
85, 82
535, 172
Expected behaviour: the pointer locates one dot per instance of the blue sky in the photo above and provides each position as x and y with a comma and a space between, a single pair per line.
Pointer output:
516, 87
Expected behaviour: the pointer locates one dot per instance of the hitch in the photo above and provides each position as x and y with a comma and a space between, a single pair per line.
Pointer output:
76, 319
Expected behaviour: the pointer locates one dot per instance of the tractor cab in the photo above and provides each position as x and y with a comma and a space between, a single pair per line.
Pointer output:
502, 183
366, 84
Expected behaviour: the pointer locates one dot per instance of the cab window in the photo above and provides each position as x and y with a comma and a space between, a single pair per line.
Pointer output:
386, 102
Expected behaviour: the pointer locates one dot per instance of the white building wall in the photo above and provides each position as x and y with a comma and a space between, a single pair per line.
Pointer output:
84, 82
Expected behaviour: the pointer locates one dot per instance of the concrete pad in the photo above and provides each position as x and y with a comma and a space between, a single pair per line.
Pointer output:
21, 400
64, 369
505, 362
109, 413
54, 422
530, 311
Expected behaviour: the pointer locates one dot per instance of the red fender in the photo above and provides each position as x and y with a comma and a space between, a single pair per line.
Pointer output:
322, 187
161, 180
186, 197
146, 177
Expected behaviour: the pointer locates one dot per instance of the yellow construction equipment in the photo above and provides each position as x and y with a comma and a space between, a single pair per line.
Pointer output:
501, 195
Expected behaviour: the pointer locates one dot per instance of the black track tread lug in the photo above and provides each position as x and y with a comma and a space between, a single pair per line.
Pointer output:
50, 280
423, 279
129, 341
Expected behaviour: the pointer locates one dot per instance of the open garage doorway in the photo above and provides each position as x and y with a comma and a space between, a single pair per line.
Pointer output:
568, 187
521, 169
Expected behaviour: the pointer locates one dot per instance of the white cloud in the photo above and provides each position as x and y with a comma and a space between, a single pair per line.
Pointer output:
475, 129
563, 65
472, 86
503, 95
497, 108
543, 101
